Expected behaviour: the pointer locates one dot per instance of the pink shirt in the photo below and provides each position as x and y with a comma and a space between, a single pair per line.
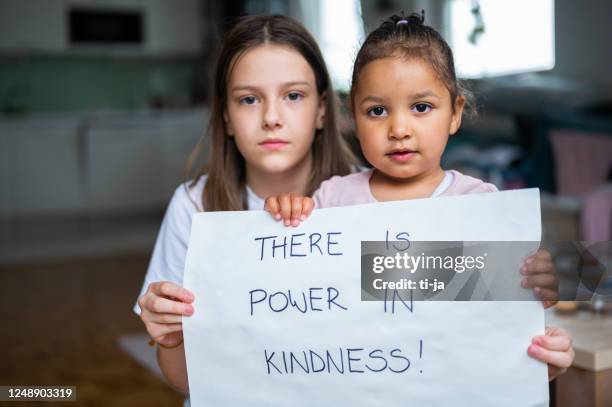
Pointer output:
354, 189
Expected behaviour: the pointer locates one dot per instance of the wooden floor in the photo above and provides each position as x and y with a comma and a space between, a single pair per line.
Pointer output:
60, 324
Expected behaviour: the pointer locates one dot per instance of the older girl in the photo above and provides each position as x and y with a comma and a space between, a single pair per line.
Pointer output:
274, 129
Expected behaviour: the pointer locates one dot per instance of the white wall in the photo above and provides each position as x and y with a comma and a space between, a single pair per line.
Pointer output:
32, 25
42, 25
583, 31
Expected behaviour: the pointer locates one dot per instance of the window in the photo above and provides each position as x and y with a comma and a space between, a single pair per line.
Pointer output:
341, 36
517, 36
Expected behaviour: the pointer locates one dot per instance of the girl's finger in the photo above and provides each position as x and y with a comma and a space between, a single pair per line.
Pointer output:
307, 207
556, 343
544, 254
165, 318
554, 358
546, 295
285, 208
169, 289
537, 267
541, 254
273, 207
296, 210
548, 281
556, 331
160, 305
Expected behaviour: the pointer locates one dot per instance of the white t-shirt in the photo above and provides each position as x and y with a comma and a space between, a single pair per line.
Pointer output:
168, 259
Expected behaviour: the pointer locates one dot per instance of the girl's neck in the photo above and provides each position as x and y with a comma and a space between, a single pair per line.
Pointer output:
385, 188
295, 179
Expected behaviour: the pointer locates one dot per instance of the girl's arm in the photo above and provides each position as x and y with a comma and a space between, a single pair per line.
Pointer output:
163, 307
174, 366
291, 208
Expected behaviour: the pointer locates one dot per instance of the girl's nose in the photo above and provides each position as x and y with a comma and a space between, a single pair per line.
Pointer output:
399, 129
271, 117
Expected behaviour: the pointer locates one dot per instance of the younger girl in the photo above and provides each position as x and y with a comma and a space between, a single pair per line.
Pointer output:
274, 129
406, 101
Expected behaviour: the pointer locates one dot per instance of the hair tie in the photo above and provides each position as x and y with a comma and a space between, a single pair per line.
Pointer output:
402, 22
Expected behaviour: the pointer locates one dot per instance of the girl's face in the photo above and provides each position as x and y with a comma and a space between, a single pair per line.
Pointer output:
273, 109
403, 116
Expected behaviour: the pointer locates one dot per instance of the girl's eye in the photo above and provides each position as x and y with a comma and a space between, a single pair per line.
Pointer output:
421, 108
377, 111
294, 96
248, 100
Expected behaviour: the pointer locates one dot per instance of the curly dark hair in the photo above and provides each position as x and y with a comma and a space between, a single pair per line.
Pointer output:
408, 37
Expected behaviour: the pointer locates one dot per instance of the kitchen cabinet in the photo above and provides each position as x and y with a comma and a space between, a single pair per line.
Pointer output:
40, 168
95, 163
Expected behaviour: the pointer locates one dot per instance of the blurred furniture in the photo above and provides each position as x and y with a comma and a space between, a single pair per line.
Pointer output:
597, 218
583, 160
571, 151
560, 218
572, 157
588, 381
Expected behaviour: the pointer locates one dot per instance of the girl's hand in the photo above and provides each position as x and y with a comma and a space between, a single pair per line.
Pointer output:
163, 307
541, 275
555, 349
291, 208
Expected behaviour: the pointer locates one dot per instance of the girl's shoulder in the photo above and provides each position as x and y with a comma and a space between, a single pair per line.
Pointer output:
359, 175
464, 184
187, 197
344, 190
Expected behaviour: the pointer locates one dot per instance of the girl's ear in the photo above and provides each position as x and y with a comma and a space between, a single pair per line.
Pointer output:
457, 114
321, 111
229, 129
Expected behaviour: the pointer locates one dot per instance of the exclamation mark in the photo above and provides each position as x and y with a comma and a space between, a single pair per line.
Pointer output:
421, 351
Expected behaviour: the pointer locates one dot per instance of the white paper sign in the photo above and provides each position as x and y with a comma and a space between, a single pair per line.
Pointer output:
279, 321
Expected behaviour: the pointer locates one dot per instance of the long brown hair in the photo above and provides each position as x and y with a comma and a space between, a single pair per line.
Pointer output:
225, 188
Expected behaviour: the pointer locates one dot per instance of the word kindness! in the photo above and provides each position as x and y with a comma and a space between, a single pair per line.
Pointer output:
342, 361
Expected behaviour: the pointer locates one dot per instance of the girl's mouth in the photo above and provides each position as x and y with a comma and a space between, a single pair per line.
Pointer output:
401, 155
273, 144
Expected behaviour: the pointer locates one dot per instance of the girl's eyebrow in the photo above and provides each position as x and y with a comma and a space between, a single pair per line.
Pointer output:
282, 85
418, 95
424, 94
370, 98
295, 83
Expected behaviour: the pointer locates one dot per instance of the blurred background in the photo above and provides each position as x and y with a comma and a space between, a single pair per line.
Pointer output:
101, 101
